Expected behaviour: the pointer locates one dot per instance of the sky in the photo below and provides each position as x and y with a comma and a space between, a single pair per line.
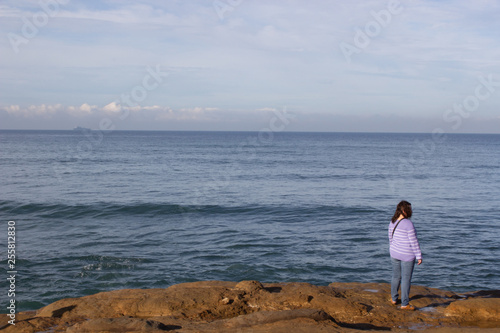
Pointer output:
363, 66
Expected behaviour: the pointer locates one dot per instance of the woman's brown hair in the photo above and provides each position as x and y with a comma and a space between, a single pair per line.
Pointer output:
403, 208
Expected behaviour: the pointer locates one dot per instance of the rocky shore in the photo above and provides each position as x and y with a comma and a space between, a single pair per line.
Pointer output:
250, 306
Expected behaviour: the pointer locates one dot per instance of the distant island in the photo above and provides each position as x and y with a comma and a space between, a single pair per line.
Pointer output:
79, 128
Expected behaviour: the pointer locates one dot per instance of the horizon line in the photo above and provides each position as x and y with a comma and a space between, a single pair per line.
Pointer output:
238, 131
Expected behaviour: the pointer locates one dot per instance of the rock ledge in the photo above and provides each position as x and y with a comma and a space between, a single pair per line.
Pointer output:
251, 306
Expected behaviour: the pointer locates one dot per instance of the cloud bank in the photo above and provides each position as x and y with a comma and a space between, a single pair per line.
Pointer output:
117, 117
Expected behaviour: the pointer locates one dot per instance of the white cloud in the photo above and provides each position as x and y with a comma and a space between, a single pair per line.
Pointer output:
12, 109
154, 107
41, 110
86, 108
33, 111
196, 113
112, 107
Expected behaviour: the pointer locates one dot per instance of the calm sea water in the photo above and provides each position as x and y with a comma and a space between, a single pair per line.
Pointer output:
102, 211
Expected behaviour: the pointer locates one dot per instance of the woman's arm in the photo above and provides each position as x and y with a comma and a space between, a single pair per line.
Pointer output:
412, 238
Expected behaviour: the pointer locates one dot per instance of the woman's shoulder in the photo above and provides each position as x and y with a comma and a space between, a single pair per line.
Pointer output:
407, 224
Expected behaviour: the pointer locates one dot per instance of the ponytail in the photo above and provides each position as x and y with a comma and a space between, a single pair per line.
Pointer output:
403, 208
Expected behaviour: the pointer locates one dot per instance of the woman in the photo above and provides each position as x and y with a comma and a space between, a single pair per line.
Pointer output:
404, 249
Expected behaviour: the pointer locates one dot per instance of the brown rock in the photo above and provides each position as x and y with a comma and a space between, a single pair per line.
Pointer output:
123, 324
30, 325
266, 317
476, 309
249, 286
250, 306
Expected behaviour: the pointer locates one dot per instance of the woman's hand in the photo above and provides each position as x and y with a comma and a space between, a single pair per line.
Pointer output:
419, 261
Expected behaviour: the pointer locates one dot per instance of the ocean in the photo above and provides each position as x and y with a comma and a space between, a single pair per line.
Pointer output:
97, 211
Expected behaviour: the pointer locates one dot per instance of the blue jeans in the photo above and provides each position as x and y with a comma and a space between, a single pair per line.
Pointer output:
401, 275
